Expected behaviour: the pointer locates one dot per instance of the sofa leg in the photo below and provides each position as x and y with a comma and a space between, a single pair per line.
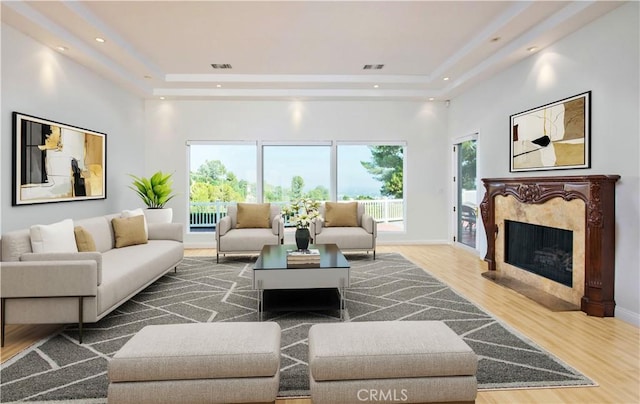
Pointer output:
374, 255
217, 257
3, 323
80, 315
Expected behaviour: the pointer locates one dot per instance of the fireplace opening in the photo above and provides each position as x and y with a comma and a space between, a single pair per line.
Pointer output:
542, 250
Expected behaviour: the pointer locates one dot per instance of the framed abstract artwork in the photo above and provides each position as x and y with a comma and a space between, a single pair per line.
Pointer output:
56, 162
555, 136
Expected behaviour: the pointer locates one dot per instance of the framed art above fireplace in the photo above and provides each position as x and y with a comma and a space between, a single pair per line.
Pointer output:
554, 136
56, 162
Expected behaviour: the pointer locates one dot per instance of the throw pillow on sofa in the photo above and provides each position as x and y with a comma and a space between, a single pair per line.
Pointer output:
136, 212
84, 240
343, 214
56, 237
253, 215
129, 231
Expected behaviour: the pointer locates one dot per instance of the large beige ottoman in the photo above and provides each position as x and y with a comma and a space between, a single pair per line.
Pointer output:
198, 363
390, 361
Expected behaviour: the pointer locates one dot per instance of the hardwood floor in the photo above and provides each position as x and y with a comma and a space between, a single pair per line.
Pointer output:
605, 349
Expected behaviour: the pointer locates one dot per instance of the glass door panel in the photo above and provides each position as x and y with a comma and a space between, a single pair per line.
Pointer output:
467, 208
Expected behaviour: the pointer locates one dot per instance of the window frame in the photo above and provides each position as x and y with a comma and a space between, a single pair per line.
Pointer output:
333, 168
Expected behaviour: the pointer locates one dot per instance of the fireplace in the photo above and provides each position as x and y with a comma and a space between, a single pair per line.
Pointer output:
584, 207
542, 250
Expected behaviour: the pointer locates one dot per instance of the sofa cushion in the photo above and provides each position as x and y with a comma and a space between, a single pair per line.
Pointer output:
388, 349
345, 237
137, 212
129, 231
247, 240
127, 270
253, 215
341, 214
84, 240
101, 231
199, 352
55, 237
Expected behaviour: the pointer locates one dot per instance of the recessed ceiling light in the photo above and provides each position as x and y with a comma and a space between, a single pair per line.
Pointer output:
446, 79
431, 98
162, 98
375, 86
101, 40
62, 48
218, 85
532, 49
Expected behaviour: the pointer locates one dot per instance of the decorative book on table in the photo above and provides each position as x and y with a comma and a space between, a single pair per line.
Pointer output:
311, 252
303, 257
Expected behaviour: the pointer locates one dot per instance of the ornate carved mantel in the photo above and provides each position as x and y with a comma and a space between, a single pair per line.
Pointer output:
598, 194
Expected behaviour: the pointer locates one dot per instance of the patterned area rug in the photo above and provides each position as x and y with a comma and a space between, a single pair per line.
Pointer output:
389, 288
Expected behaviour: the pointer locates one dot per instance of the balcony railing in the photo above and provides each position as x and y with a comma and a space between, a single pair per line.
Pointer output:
385, 210
204, 216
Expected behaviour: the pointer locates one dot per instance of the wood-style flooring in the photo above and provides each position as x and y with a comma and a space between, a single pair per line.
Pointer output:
607, 350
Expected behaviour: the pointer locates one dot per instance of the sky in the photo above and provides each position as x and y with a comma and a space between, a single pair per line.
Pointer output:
283, 162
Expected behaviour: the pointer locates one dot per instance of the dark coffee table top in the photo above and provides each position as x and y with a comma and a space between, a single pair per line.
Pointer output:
275, 256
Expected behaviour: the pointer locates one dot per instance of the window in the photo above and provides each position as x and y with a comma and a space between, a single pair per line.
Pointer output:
292, 172
219, 174
374, 175
223, 173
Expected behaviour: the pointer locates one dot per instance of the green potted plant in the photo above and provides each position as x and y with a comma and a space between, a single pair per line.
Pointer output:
301, 213
155, 192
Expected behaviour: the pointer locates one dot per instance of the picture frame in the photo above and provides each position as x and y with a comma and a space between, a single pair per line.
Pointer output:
56, 162
555, 136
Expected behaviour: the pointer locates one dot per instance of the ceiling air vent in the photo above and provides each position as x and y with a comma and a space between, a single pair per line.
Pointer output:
221, 65
372, 67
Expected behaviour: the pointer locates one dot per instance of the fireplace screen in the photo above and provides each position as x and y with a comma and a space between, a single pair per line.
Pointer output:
542, 250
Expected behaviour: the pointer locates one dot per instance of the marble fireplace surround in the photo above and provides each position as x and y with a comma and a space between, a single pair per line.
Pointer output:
582, 204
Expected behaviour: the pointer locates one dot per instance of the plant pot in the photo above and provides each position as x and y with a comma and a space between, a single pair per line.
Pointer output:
164, 215
302, 238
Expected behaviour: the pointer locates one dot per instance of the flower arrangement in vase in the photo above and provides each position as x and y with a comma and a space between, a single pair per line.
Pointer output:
301, 213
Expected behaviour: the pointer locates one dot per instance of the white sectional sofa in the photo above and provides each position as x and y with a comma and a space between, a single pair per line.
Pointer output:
82, 287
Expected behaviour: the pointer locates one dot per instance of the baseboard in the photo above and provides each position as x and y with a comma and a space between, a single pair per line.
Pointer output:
412, 242
199, 244
628, 316
212, 244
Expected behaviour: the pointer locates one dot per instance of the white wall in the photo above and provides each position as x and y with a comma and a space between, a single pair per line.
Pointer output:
421, 124
603, 58
39, 81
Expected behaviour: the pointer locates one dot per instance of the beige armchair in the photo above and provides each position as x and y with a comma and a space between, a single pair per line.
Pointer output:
346, 225
248, 227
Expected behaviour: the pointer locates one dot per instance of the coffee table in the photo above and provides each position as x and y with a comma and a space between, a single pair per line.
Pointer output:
270, 272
